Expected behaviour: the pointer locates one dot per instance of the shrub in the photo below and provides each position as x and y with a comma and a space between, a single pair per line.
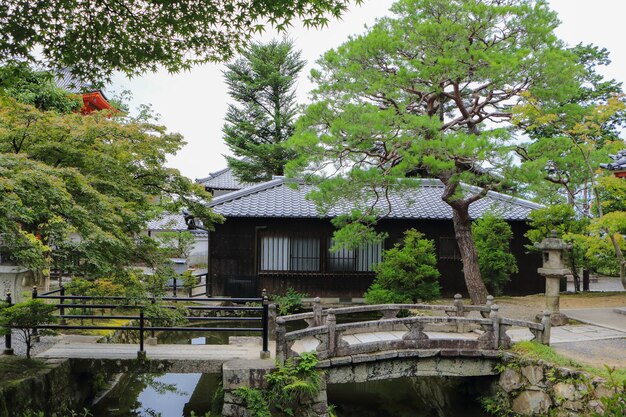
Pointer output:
290, 302
492, 236
407, 273
25, 317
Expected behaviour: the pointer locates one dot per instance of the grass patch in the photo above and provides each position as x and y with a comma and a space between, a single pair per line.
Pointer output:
13, 369
537, 351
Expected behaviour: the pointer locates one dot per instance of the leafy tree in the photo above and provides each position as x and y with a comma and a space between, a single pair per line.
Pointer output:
134, 37
407, 273
86, 185
493, 238
262, 82
36, 88
423, 93
25, 317
176, 244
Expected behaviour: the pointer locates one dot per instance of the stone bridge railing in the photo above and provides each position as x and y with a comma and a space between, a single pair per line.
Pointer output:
322, 325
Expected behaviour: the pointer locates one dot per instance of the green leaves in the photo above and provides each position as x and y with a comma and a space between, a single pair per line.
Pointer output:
262, 82
493, 237
135, 37
408, 272
83, 187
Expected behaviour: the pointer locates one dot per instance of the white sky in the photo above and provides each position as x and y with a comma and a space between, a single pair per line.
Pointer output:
194, 103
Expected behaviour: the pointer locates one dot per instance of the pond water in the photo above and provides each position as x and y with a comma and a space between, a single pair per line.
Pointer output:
152, 395
177, 395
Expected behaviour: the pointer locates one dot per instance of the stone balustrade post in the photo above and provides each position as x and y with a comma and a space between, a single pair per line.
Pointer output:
281, 342
331, 323
495, 322
460, 312
317, 312
273, 314
490, 301
546, 322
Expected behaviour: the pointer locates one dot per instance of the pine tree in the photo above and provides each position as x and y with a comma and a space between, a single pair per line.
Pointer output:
262, 83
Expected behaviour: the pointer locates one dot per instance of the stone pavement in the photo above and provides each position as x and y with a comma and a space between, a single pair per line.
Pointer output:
605, 317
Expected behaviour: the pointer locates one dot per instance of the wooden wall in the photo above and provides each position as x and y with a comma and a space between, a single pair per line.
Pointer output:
234, 256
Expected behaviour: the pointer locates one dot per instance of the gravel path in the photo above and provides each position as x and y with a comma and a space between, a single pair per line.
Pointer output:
19, 348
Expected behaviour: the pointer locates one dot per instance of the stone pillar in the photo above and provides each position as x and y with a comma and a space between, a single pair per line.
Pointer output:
553, 270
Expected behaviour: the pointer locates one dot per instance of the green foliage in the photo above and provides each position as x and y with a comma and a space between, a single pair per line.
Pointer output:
262, 82
493, 236
497, 405
176, 244
291, 384
156, 283
189, 280
408, 272
167, 317
135, 37
37, 88
254, 401
615, 405
25, 317
99, 176
290, 302
422, 93
79, 286
290, 388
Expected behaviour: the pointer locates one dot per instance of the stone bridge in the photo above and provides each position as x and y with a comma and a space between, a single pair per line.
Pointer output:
451, 344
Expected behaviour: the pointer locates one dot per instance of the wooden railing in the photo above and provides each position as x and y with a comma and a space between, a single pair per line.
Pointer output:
322, 325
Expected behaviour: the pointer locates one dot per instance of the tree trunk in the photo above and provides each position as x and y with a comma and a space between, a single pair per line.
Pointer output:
463, 232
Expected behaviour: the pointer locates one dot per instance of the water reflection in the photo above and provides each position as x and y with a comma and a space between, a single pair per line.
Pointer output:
410, 397
165, 395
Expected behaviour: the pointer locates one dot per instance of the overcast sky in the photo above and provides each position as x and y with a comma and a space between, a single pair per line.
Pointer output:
194, 103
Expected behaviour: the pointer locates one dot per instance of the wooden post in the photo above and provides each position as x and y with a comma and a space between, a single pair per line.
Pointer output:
265, 353
35, 331
8, 349
62, 309
141, 354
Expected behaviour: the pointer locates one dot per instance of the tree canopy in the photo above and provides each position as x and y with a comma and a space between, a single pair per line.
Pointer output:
262, 82
424, 93
85, 185
96, 39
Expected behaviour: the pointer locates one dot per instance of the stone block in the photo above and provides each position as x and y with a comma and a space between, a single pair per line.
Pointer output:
573, 405
533, 373
510, 380
344, 360
565, 391
530, 403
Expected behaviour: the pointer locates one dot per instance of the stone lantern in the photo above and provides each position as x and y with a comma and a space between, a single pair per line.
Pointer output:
553, 270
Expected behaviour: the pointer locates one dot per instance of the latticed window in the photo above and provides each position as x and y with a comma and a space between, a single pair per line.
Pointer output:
361, 259
289, 253
449, 249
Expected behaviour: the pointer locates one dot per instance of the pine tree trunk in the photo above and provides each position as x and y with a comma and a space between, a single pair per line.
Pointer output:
463, 232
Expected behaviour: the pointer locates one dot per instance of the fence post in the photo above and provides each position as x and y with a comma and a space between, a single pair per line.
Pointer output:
331, 323
545, 320
272, 321
458, 304
141, 354
317, 312
495, 321
152, 334
35, 331
174, 290
281, 342
61, 308
265, 353
8, 349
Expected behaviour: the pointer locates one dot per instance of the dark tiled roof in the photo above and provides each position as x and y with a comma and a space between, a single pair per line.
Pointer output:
276, 198
67, 81
619, 164
222, 180
171, 222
